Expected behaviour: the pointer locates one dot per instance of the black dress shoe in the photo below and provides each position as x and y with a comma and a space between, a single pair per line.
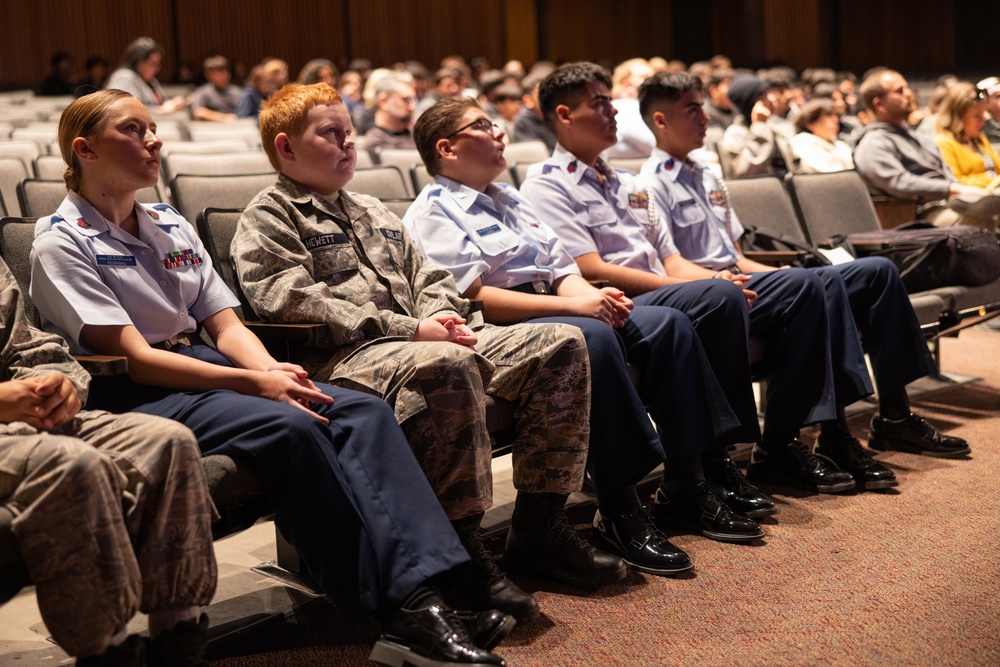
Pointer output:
795, 465
732, 488
702, 509
483, 586
915, 435
130, 653
635, 537
554, 550
848, 455
432, 636
486, 628
181, 646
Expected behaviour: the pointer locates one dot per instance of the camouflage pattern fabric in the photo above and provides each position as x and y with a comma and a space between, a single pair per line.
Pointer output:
351, 265
112, 512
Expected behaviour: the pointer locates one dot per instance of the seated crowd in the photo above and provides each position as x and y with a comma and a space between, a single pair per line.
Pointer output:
372, 444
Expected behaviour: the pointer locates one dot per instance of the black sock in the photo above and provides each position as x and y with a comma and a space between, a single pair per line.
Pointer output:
836, 430
893, 403
533, 510
619, 502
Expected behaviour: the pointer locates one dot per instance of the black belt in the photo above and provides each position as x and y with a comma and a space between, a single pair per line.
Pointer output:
534, 287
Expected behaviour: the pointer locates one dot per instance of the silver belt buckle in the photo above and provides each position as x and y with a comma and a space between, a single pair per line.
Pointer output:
541, 287
174, 341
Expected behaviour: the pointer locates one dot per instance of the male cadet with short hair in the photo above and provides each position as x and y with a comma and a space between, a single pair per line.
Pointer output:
607, 224
586, 202
502, 254
216, 100
306, 250
865, 295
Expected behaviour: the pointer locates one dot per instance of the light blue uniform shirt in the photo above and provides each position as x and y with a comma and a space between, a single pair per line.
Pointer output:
600, 210
696, 209
85, 270
494, 235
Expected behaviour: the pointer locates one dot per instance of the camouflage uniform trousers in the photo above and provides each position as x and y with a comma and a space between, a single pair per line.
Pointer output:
437, 391
113, 519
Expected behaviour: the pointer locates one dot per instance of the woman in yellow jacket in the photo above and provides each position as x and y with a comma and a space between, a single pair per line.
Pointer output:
960, 137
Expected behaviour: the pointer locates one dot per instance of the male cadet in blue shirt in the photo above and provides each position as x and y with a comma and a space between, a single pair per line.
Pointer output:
605, 220
502, 254
705, 230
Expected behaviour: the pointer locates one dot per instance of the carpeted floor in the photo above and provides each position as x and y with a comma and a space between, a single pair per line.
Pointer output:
903, 577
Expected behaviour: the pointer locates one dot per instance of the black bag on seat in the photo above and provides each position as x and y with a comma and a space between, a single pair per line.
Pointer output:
930, 257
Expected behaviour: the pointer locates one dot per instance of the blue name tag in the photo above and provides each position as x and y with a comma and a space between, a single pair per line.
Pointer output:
686, 202
592, 202
392, 234
486, 231
322, 240
115, 260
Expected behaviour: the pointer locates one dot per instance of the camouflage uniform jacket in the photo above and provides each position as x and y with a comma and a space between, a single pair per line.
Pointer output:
350, 265
29, 352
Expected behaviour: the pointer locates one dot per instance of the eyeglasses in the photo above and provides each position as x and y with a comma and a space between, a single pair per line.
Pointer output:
480, 125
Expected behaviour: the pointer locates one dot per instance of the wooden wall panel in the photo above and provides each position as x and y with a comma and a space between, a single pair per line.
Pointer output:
521, 28
29, 36
251, 30
608, 32
793, 33
386, 30
915, 36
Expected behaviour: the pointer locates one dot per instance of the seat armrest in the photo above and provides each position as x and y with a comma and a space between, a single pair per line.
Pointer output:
286, 330
102, 365
775, 257
599, 284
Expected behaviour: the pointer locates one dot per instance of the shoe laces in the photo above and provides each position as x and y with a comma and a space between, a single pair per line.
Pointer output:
560, 529
482, 558
856, 453
730, 474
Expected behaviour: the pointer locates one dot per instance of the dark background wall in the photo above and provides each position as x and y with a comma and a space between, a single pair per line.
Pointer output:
916, 36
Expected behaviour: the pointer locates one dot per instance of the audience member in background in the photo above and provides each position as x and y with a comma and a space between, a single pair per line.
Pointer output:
216, 100
895, 160
319, 70
634, 138
350, 86
784, 93
265, 80
366, 119
847, 125
601, 217
447, 83
750, 145
866, 296
991, 86
816, 144
60, 79
504, 255
113, 275
529, 125
514, 68
111, 512
307, 250
395, 101
95, 75
136, 75
702, 69
718, 107
964, 147
507, 101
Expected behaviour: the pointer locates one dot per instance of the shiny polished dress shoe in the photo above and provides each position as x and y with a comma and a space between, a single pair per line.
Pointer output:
915, 435
732, 488
130, 653
635, 537
486, 628
555, 551
795, 465
431, 636
847, 454
702, 509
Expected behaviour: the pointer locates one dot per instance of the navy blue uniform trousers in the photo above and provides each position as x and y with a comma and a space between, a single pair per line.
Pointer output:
718, 311
349, 496
676, 387
882, 314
